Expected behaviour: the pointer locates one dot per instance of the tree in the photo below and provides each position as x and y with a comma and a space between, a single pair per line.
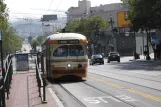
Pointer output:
144, 15
11, 42
34, 44
96, 24
88, 26
30, 39
40, 39
82, 26
72, 26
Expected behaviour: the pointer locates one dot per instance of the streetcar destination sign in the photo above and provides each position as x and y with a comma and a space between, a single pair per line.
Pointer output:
68, 41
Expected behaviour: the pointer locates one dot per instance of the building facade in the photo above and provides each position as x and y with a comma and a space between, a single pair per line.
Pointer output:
123, 41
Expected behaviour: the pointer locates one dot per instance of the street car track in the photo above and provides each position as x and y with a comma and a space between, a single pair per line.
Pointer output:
125, 75
126, 82
131, 104
83, 105
74, 98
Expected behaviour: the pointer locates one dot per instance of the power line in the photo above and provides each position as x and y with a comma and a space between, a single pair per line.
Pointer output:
49, 10
26, 13
18, 12
58, 5
50, 5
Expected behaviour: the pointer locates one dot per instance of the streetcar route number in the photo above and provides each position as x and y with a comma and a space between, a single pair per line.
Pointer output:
97, 100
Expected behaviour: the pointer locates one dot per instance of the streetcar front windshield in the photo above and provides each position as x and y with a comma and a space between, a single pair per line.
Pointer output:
76, 50
71, 50
61, 51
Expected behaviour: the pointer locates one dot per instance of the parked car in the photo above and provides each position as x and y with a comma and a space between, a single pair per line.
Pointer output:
113, 56
96, 59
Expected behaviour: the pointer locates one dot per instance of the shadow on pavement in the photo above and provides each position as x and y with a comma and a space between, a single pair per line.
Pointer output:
138, 65
66, 80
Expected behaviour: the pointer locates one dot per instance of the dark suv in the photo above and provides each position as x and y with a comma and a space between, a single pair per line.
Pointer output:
96, 59
113, 56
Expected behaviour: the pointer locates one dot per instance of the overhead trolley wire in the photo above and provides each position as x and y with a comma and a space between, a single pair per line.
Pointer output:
49, 6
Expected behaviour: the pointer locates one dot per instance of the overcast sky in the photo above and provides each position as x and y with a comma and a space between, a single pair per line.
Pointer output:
19, 8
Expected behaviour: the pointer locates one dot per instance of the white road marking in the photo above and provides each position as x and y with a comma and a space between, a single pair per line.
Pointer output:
59, 103
126, 98
103, 99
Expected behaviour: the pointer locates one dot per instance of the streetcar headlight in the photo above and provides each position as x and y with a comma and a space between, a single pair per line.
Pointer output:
79, 66
69, 65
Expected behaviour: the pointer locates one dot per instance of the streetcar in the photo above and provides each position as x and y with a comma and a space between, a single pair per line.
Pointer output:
65, 54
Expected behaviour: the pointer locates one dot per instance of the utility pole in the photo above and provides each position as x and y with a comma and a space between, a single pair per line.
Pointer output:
111, 21
3, 72
147, 43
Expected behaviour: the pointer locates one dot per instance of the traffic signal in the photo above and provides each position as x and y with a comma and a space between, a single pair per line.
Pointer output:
115, 30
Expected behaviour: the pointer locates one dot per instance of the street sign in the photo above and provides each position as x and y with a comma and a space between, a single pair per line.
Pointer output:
49, 17
22, 63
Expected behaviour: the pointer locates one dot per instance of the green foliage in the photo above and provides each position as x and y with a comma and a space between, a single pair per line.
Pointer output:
41, 39
11, 42
34, 44
88, 26
72, 26
30, 39
96, 24
145, 14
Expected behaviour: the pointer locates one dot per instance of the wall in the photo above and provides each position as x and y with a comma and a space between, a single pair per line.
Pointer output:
84, 9
84, 6
141, 40
106, 7
125, 44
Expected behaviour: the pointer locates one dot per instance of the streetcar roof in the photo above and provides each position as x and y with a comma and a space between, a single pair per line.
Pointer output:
66, 36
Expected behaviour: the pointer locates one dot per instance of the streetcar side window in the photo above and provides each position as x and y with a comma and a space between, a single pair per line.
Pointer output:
76, 50
61, 51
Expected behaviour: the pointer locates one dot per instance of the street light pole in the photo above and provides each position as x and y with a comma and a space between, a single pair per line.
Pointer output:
111, 21
3, 73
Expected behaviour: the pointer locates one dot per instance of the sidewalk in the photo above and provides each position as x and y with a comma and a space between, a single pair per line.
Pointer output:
143, 59
24, 92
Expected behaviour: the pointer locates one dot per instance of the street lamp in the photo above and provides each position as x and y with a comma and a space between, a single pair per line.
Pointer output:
111, 21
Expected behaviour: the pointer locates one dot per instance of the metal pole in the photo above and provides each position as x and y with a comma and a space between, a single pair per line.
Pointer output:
3, 72
112, 22
38, 59
143, 41
3, 94
44, 91
42, 63
147, 57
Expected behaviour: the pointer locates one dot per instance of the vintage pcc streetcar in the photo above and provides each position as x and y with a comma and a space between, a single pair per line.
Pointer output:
65, 54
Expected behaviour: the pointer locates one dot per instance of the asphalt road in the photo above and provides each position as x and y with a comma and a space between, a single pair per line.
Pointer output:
125, 84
